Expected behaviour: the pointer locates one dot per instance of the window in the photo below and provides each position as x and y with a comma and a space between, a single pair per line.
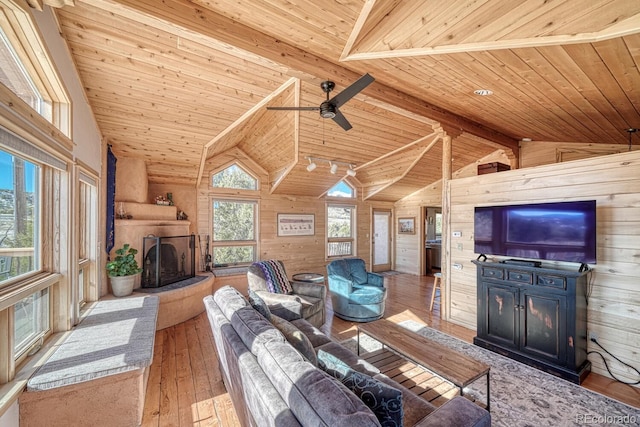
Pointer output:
14, 76
19, 217
234, 177
342, 189
31, 321
341, 230
27, 69
234, 232
87, 236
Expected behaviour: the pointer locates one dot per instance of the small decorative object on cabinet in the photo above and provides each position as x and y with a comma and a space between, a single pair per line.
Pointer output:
123, 270
535, 315
492, 167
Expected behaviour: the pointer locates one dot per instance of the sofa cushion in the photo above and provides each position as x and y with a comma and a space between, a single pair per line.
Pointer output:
350, 358
384, 400
314, 397
229, 300
315, 335
296, 338
254, 330
259, 305
275, 276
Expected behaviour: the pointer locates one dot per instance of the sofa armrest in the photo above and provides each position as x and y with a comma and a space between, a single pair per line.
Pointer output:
289, 307
458, 412
375, 279
309, 289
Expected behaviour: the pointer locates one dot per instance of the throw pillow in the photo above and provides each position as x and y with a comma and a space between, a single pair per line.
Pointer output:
259, 305
296, 338
275, 276
383, 400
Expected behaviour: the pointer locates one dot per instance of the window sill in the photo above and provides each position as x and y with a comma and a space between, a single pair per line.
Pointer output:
12, 390
230, 271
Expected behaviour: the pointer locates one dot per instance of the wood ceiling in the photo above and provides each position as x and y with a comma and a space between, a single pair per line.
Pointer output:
177, 82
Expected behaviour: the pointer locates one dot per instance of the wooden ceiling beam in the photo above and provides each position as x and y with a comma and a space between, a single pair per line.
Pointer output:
188, 20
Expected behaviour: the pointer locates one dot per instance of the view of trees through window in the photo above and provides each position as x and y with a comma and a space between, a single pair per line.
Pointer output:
234, 177
234, 221
18, 212
340, 233
233, 232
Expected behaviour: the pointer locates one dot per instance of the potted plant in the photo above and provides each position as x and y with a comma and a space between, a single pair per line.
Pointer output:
122, 271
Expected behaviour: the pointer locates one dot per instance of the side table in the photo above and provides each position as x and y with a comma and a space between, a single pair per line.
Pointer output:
309, 277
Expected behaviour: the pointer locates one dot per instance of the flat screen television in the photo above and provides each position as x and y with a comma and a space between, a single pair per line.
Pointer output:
562, 231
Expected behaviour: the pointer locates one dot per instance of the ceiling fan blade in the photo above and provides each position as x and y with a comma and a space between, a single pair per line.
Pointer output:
341, 120
295, 108
352, 90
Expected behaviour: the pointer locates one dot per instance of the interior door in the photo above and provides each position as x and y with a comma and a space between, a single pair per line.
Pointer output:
381, 240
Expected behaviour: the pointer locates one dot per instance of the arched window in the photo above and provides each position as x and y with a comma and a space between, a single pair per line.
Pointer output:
342, 189
236, 177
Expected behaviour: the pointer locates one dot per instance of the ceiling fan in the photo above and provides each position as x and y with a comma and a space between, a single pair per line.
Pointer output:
329, 108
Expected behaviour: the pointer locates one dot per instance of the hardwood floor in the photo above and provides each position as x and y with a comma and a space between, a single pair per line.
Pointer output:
185, 386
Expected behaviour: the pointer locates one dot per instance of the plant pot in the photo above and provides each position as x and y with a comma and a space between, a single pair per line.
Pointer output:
122, 286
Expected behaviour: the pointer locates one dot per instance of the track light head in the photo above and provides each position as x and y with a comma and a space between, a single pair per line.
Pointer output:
334, 168
351, 171
311, 166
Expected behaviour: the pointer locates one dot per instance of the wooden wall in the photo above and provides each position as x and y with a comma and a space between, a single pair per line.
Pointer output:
409, 252
537, 153
614, 182
300, 253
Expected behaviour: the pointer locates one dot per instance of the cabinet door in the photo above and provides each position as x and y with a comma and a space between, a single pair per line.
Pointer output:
544, 326
502, 322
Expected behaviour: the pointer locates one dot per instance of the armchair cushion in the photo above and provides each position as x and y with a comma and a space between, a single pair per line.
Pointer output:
275, 276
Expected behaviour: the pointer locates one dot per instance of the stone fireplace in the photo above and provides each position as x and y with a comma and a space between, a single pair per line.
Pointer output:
167, 260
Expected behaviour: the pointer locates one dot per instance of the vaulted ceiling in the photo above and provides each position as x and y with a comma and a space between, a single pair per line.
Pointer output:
177, 82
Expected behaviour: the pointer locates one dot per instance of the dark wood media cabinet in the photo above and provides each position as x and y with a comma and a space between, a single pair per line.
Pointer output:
535, 315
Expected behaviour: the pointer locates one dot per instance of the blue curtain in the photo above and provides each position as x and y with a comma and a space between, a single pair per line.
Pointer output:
111, 196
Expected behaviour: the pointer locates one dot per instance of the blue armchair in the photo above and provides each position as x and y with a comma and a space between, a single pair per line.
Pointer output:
356, 295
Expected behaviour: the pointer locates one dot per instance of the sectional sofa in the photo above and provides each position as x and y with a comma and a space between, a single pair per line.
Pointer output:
281, 373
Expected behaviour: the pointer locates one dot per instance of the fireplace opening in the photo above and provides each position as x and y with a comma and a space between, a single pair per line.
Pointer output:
167, 260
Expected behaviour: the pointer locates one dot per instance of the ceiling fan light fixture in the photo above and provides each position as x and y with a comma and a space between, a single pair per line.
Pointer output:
334, 168
327, 110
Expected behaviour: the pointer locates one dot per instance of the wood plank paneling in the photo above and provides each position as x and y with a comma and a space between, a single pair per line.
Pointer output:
614, 183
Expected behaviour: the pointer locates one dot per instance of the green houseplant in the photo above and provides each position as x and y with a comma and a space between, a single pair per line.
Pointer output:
122, 270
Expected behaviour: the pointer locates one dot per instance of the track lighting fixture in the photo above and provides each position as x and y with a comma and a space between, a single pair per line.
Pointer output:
312, 165
333, 165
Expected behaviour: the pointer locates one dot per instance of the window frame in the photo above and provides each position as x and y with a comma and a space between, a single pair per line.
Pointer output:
353, 239
29, 135
236, 243
24, 37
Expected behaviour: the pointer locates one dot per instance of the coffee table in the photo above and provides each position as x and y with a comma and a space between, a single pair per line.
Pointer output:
451, 365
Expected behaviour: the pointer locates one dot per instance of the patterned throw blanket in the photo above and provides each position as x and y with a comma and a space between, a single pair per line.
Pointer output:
275, 276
